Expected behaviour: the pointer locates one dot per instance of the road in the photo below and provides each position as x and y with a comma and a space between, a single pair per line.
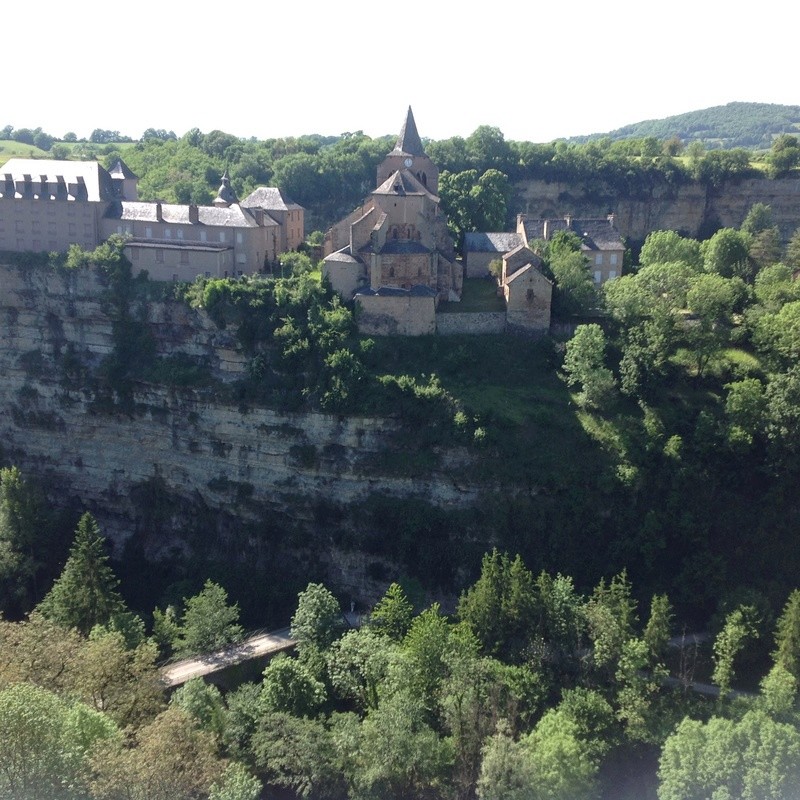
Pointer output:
261, 644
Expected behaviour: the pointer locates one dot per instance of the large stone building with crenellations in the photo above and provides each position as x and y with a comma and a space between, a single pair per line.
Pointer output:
49, 205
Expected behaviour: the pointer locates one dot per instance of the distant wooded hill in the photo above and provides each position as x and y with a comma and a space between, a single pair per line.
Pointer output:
750, 125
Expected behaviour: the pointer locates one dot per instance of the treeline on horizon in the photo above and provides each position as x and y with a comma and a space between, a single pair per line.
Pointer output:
330, 175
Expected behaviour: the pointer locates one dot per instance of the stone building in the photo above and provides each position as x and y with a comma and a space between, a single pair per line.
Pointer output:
394, 253
601, 242
527, 292
480, 249
49, 205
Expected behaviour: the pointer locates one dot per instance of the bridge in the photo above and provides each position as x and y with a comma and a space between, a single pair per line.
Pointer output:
256, 645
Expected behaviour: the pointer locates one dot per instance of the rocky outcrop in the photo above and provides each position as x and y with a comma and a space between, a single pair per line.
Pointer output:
691, 208
197, 446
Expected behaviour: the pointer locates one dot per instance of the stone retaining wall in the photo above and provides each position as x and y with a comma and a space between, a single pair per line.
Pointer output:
475, 323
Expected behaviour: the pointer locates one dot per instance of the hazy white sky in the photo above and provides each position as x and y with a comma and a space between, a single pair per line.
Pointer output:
537, 71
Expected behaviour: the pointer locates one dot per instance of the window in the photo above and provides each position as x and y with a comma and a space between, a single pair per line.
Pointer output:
222, 236
598, 276
179, 233
184, 257
148, 232
72, 229
160, 256
598, 259
167, 233
239, 238
612, 273
241, 258
612, 259
203, 236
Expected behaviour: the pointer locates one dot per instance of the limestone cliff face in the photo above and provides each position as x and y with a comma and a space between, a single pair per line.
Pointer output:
196, 448
688, 209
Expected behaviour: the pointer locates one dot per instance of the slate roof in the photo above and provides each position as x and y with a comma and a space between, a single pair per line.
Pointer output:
403, 247
491, 242
521, 255
524, 270
232, 217
83, 180
342, 255
402, 182
120, 169
149, 244
595, 233
270, 198
409, 143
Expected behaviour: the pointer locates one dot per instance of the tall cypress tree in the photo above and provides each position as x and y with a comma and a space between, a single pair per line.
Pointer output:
86, 593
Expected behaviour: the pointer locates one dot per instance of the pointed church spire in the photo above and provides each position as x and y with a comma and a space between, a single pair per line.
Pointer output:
409, 141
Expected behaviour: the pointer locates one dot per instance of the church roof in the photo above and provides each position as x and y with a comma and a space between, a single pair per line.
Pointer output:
404, 247
402, 182
409, 141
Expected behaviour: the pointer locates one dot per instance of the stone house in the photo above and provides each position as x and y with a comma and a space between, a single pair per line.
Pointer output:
394, 252
526, 290
49, 205
601, 242
480, 249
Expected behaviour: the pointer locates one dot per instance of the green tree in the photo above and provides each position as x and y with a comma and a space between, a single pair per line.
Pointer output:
393, 613
611, 617
121, 681
298, 754
575, 291
659, 627
209, 622
236, 783
712, 300
318, 619
22, 532
397, 754
203, 702
86, 593
787, 636
727, 253
358, 663
793, 250
500, 607
44, 744
289, 686
667, 247
584, 366
166, 759
756, 758
774, 287
741, 625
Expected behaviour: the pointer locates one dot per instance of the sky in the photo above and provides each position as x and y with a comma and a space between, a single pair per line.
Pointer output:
536, 71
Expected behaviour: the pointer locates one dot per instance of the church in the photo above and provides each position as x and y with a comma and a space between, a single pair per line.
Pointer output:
394, 253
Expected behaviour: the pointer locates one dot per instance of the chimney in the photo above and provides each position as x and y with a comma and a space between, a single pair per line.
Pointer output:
611, 219
194, 214
545, 229
44, 191
568, 219
159, 215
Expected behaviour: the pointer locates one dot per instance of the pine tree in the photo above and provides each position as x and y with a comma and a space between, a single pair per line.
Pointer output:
86, 593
